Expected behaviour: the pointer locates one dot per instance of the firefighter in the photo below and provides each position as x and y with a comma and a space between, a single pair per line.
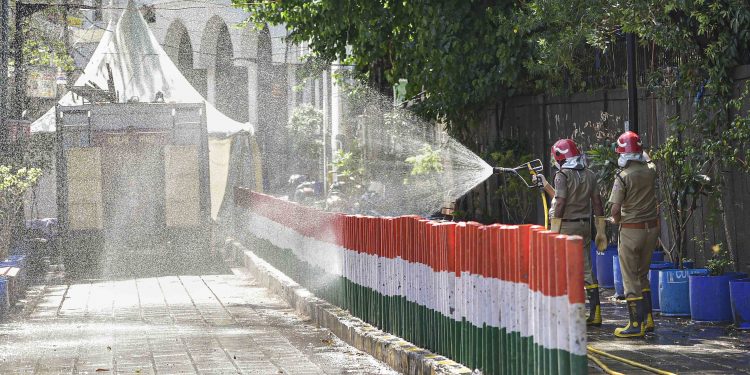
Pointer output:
575, 194
634, 208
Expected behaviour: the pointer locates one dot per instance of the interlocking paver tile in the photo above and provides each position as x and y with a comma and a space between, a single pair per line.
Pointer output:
679, 345
217, 324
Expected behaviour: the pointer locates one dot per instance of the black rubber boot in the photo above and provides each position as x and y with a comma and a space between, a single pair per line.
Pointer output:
595, 307
635, 327
648, 314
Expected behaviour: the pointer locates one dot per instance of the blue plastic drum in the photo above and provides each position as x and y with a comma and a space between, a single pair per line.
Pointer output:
653, 278
709, 297
604, 270
4, 296
617, 276
674, 292
592, 253
739, 295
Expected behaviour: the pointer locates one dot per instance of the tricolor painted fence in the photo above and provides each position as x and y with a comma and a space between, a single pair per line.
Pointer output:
504, 299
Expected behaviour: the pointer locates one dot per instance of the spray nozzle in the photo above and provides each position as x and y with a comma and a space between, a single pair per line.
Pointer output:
534, 167
501, 170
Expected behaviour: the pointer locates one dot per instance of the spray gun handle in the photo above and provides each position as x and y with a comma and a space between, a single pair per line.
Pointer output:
539, 182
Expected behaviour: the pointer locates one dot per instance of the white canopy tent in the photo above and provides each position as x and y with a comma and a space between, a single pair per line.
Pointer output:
141, 69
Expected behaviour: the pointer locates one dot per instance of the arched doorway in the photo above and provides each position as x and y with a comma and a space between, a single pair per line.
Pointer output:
179, 48
231, 81
226, 84
272, 115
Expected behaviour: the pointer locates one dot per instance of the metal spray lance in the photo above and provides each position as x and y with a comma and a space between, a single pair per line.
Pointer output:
534, 167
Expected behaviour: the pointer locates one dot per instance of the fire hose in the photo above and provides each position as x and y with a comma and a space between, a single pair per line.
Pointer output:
626, 361
534, 167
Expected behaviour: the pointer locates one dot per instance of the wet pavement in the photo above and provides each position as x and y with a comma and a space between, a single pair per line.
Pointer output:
679, 345
214, 324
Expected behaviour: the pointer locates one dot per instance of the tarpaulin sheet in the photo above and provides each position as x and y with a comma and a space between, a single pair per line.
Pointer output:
219, 151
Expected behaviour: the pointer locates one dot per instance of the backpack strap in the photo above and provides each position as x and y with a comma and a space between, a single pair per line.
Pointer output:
618, 174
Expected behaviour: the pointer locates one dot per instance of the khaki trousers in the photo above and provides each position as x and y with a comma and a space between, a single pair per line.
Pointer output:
583, 229
634, 249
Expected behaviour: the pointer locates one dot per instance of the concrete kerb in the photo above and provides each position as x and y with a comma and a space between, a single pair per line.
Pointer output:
397, 353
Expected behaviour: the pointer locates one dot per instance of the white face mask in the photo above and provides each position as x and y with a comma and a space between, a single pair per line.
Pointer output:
623, 160
576, 162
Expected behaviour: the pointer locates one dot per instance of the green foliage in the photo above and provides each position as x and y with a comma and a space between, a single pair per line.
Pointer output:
13, 184
348, 164
350, 170
682, 182
720, 261
461, 53
709, 39
597, 138
603, 162
306, 134
43, 45
40, 151
306, 121
428, 161
465, 55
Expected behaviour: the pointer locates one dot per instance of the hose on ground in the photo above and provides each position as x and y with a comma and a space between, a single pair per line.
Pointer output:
628, 361
604, 367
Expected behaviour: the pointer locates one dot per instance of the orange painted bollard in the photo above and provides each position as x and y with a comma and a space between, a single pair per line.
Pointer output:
561, 290
577, 305
549, 259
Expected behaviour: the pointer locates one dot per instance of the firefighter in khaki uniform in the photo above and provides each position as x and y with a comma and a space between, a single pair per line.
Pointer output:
634, 209
575, 193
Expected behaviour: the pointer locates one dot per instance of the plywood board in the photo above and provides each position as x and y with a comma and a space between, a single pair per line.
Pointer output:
84, 178
181, 184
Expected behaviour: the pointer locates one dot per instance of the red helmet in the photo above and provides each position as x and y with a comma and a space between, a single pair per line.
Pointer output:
629, 142
564, 149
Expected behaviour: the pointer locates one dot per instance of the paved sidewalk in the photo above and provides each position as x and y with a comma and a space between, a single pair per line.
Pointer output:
218, 324
678, 345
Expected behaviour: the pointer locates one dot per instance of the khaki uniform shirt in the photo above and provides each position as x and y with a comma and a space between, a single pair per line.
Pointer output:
577, 190
635, 189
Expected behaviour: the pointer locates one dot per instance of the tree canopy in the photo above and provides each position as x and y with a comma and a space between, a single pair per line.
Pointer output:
465, 54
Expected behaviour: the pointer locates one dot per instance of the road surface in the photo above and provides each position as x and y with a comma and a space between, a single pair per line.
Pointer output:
214, 324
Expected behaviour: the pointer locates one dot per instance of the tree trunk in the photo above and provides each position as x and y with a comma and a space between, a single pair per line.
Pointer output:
725, 220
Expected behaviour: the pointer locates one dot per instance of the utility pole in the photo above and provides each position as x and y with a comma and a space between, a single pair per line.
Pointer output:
4, 55
632, 124
19, 95
66, 33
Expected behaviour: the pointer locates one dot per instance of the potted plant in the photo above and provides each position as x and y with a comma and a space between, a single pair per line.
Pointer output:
683, 184
709, 294
688, 263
